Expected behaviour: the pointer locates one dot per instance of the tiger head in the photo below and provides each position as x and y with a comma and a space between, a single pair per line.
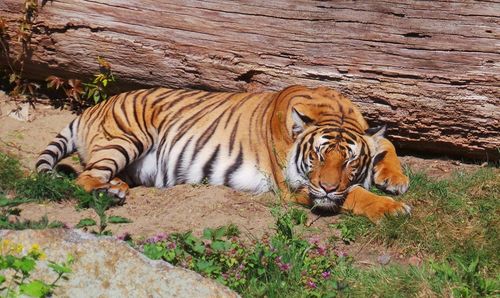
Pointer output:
331, 154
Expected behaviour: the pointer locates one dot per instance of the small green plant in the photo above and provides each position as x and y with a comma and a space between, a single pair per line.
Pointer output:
80, 94
99, 202
286, 220
16, 270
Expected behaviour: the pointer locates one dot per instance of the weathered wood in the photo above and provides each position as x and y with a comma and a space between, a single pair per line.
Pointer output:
429, 70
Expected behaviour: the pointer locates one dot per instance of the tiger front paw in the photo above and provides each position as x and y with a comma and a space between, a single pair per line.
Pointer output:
386, 206
393, 182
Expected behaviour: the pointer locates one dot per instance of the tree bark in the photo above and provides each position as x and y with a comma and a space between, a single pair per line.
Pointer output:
429, 70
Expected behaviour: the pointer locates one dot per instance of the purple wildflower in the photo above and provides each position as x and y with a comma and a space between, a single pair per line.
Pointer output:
160, 237
311, 284
326, 274
281, 265
285, 266
321, 250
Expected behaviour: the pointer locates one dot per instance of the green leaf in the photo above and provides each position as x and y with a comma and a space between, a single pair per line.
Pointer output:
206, 266
154, 251
220, 232
25, 264
2, 279
90, 92
97, 97
118, 219
35, 288
207, 233
86, 222
58, 268
220, 245
199, 248
104, 82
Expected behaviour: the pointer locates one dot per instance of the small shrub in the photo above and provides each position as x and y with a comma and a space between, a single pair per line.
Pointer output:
81, 95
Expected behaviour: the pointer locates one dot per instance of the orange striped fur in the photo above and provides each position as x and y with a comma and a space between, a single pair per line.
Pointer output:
312, 144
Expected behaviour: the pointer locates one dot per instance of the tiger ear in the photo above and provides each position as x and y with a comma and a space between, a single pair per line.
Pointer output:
377, 132
300, 121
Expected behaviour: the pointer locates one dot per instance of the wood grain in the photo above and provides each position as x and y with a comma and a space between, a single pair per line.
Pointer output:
430, 70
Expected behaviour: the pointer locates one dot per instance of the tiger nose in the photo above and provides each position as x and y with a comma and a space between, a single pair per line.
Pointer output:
328, 187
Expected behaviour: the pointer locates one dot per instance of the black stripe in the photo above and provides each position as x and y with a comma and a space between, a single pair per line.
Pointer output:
59, 147
90, 166
208, 167
41, 162
298, 166
49, 152
145, 123
379, 157
235, 166
235, 108
178, 164
162, 96
207, 134
65, 147
123, 109
60, 136
232, 138
127, 138
351, 135
117, 148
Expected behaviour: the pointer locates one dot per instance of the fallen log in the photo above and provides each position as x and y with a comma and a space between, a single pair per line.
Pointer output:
429, 70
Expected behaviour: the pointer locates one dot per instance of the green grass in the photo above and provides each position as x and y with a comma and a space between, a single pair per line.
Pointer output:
10, 172
454, 224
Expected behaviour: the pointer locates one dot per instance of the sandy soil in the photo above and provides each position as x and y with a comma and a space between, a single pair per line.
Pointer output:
181, 208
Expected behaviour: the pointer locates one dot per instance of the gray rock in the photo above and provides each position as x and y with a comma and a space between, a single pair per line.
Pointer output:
384, 259
106, 267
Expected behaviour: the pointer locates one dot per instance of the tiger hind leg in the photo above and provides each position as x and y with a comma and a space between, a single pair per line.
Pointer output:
104, 164
388, 173
360, 201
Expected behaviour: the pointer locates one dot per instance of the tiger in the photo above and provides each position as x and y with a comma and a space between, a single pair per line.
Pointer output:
312, 145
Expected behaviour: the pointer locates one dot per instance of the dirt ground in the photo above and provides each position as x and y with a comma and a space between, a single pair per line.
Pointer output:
177, 209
